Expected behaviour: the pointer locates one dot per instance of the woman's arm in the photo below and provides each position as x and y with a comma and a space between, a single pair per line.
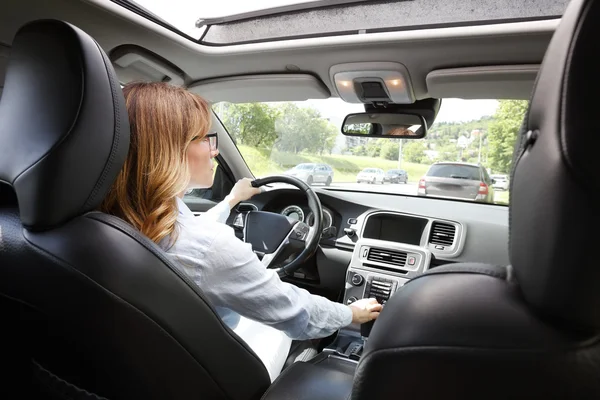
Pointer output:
241, 191
239, 281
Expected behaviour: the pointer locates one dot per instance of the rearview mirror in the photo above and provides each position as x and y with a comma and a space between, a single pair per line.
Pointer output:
385, 125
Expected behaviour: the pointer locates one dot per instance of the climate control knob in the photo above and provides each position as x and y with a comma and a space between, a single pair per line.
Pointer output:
357, 279
351, 300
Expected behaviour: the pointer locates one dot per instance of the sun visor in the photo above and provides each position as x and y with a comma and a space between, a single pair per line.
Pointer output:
134, 63
490, 82
261, 88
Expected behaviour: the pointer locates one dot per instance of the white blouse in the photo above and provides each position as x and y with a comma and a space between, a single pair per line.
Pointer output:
237, 283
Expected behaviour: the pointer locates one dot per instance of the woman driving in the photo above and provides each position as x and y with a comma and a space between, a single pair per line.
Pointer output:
171, 152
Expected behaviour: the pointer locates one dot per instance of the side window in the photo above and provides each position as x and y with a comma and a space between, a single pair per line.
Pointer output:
222, 185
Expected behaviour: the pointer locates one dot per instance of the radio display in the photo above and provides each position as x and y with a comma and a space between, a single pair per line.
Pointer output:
395, 228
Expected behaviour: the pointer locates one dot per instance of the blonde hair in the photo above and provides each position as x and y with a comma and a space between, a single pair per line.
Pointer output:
164, 119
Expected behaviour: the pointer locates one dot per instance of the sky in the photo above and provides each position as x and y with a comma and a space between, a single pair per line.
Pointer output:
459, 110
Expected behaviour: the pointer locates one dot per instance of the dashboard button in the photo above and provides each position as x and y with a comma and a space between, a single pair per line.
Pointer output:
351, 300
352, 221
411, 260
357, 280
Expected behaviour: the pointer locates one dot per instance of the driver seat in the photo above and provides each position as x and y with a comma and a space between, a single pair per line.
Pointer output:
91, 307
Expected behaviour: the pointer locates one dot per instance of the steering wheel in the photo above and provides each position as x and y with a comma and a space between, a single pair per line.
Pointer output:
277, 237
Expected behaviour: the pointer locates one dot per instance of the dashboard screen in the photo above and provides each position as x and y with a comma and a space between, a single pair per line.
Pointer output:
395, 228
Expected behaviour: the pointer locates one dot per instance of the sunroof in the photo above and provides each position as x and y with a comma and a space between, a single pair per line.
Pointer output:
239, 10
191, 16
227, 22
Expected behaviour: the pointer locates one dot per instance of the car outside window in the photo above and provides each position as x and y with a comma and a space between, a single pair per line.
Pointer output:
486, 176
305, 166
455, 171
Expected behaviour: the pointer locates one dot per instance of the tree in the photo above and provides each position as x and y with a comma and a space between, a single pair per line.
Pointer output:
503, 133
329, 138
414, 151
304, 129
390, 149
373, 147
447, 152
252, 124
358, 150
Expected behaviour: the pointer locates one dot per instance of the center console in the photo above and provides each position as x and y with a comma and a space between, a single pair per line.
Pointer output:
388, 254
391, 249
379, 268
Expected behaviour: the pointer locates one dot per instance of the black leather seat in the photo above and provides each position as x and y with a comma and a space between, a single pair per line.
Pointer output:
531, 330
86, 300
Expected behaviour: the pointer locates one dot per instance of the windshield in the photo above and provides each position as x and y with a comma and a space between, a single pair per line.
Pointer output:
295, 137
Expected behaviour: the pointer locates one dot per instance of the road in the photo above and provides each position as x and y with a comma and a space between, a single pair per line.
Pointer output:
400, 188
396, 188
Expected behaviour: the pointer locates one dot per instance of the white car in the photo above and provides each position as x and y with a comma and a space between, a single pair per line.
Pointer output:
500, 182
312, 173
370, 175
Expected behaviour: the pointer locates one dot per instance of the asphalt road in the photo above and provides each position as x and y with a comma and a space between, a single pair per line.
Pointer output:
397, 188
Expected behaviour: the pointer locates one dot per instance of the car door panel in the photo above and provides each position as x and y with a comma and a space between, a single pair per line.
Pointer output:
199, 205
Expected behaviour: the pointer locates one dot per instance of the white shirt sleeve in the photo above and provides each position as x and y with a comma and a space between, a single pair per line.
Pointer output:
218, 213
236, 279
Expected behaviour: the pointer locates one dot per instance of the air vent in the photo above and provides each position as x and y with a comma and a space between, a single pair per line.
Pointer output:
442, 234
397, 258
245, 207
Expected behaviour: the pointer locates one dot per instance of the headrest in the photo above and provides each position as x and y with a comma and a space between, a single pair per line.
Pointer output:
64, 130
555, 190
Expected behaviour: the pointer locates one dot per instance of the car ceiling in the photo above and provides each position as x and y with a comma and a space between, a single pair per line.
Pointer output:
420, 51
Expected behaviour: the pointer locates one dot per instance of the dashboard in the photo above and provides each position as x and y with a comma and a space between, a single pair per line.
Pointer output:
292, 203
301, 214
382, 240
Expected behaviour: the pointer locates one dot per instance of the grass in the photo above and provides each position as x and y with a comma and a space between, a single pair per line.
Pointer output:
501, 196
264, 162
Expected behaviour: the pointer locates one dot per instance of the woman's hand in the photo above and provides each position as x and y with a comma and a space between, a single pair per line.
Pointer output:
241, 191
365, 310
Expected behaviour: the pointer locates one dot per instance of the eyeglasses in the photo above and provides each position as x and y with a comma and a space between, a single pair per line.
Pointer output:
211, 138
